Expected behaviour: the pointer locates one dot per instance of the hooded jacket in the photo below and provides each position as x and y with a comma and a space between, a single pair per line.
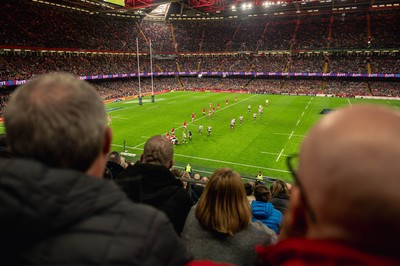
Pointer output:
63, 217
160, 189
267, 214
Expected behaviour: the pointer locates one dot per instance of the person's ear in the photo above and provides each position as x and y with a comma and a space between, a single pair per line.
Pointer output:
295, 222
107, 141
171, 164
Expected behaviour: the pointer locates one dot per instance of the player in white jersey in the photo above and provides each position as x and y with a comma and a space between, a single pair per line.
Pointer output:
233, 123
209, 129
254, 116
184, 137
248, 108
109, 120
201, 129
266, 102
241, 119
260, 110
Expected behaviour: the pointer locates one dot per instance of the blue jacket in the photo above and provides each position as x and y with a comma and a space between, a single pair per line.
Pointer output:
267, 214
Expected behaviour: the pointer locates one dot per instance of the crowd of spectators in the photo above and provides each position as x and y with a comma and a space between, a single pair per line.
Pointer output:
112, 89
349, 31
383, 27
312, 33
347, 64
346, 88
279, 34
382, 88
302, 87
247, 35
81, 30
263, 85
385, 64
270, 63
307, 64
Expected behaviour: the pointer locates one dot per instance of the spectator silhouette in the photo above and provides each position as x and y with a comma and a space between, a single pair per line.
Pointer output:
280, 196
344, 208
219, 227
159, 187
55, 208
264, 211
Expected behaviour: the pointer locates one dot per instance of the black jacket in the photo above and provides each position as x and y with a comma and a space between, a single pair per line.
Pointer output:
160, 189
63, 217
280, 202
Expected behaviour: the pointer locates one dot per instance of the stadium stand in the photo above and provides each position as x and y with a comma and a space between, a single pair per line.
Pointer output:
306, 44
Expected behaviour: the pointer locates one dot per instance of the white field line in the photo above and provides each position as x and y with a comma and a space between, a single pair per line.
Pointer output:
302, 114
294, 135
195, 170
307, 107
298, 122
280, 154
171, 102
271, 153
397, 107
212, 160
120, 117
349, 102
145, 137
152, 107
119, 109
291, 134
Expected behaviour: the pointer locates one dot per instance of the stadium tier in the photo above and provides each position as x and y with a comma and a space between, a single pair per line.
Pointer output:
341, 53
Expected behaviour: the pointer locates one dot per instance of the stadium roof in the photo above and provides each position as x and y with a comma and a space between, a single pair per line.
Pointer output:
219, 9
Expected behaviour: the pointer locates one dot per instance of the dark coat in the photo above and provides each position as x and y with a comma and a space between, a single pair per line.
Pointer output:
160, 189
280, 202
62, 217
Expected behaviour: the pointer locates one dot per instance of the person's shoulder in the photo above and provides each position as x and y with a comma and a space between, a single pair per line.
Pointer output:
261, 230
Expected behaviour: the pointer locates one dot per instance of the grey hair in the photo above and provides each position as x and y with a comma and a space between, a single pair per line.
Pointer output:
158, 150
58, 120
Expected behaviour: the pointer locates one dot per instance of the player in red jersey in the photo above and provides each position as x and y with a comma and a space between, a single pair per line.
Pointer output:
167, 135
213, 110
226, 101
184, 125
209, 112
193, 116
173, 131
218, 105
204, 111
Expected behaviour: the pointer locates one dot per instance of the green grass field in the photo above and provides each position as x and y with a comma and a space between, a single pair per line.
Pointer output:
260, 145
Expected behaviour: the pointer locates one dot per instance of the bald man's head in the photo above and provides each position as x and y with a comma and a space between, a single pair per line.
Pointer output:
349, 166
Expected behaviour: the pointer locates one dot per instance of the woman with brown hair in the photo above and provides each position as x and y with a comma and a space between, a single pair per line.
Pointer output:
219, 227
280, 196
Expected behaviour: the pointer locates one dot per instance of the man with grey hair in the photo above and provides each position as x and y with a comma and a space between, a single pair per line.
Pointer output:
344, 208
158, 186
55, 208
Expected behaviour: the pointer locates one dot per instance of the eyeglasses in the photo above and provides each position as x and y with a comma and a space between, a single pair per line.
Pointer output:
290, 165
